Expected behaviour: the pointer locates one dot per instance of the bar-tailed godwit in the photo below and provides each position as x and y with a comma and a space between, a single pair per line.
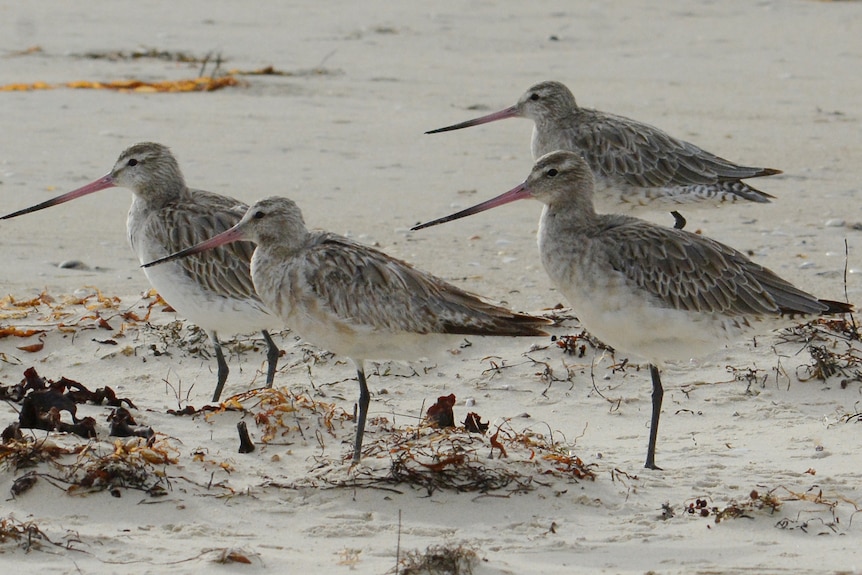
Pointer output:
354, 300
215, 290
636, 166
656, 292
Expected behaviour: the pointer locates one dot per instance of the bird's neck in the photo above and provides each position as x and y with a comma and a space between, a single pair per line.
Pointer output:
267, 275
277, 250
570, 221
576, 213
157, 197
272, 252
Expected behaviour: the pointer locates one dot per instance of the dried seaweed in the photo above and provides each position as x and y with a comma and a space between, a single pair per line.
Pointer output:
124, 425
69, 314
831, 344
771, 502
460, 472
750, 376
216, 80
199, 84
133, 464
702, 507
577, 344
148, 54
440, 414
273, 406
423, 457
24, 452
233, 555
8, 331
822, 329
828, 363
439, 560
473, 423
43, 401
434, 460
26, 534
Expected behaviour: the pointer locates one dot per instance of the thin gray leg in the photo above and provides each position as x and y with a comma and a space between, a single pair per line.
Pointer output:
272, 353
222, 366
657, 396
364, 399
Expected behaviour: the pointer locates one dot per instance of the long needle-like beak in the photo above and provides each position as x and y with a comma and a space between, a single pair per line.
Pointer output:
518, 193
510, 112
234, 234
102, 183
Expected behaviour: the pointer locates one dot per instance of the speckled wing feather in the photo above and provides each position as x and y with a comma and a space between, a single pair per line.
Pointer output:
223, 270
646, 156
365, 286
690, 272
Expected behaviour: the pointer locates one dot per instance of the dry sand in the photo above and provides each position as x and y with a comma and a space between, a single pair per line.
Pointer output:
773, 83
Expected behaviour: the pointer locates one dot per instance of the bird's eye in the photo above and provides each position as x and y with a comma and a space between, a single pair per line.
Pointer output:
552, 172
258, 215
534, 97
132, 162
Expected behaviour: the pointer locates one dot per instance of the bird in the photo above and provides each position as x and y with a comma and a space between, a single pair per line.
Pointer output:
636, 166
214, 291
660, 293
354, 300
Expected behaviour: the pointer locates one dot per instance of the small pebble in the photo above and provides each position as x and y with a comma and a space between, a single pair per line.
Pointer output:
836, 223
84, 292
73, 265
469, 402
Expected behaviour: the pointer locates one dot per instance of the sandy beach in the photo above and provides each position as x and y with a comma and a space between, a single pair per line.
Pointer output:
760, 454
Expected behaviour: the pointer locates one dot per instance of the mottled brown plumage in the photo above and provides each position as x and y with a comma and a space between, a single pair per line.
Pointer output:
660, 293
635, 165
213, 290
354, 300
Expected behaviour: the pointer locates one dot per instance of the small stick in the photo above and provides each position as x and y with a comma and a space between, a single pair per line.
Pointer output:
246, 445
398, 545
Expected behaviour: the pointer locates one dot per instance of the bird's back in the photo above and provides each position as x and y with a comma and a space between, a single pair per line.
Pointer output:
638, 164
663, 293
213, 289
358, 301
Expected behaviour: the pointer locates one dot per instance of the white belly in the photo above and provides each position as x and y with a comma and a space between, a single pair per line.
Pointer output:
208, 310
631, 325
365, 343
632, 321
